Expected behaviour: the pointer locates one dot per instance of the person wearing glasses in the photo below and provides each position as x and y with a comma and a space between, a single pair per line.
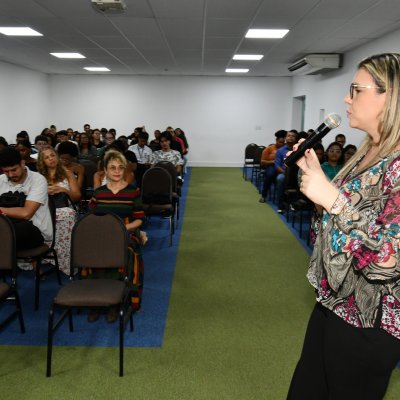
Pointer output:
123, 199
352, 342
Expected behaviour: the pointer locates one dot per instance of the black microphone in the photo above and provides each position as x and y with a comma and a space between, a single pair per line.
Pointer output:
332, 121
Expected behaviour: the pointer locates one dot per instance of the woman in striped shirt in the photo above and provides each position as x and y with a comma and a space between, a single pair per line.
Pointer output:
122, 199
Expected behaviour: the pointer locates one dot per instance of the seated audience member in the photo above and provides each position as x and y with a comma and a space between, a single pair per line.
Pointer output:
290, 141
24, 147
60, 180
179, 133
87, 152
86, 128
109, 137
134, 136
332, 165
155, 143
31, 218
96, 137
22, 136
61, 136
320, 152
68, 154
348, 152
176, 143
77, 137
100, 178
268, 163
3, 143
167, 154
70, 133
40, 141
123, 199
341, 139
143, 155
103, 132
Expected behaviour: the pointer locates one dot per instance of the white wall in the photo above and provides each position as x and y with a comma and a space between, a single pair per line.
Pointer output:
220, 115
327, 91
24, 101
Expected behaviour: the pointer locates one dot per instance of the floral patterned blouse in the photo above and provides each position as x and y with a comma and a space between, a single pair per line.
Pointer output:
362, 232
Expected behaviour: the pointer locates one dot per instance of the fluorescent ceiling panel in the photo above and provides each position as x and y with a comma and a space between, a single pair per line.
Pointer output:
96, 69
237, 70
248, 57
19, 31
67, 55
266, 33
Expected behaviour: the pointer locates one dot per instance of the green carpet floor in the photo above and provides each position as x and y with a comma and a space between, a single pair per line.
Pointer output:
238, 311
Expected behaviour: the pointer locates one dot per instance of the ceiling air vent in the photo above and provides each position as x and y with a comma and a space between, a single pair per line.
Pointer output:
313, 64
109, 5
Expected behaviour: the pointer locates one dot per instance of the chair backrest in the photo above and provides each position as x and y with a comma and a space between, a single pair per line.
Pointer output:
250, 152
8, 255
156, 186
168, 166
90, 169
258, 154
99, 241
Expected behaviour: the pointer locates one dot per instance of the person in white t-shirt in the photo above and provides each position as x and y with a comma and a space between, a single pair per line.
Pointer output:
32, 221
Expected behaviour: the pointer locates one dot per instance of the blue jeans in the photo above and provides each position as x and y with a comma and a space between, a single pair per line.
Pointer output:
269, 178
280, 189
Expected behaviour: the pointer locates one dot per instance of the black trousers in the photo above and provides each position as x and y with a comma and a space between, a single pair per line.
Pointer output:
341, 362
27, 235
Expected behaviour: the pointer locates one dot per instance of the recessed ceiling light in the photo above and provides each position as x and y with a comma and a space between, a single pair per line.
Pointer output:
249, 57
237, 70
67, 55
266, 33
19, 31
96, 69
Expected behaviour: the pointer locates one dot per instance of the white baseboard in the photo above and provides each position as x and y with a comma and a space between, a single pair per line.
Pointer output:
213, 164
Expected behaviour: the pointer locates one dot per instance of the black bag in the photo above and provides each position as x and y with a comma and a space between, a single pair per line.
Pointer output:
61, 200
12, 199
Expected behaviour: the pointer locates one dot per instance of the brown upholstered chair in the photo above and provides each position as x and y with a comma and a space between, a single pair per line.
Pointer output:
8, 267
40, 253
92, 250
157, 196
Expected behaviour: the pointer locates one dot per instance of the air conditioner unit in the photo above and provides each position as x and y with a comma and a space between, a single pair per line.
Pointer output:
313, 64
109, 5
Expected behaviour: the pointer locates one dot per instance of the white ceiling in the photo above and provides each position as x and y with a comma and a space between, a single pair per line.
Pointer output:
188, 37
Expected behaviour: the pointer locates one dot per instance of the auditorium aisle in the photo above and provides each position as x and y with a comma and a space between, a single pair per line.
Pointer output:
236, 319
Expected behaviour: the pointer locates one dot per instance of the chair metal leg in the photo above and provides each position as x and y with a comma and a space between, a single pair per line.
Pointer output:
50, 341
57, 266
121, 342
171, 230
37, 284
19, 310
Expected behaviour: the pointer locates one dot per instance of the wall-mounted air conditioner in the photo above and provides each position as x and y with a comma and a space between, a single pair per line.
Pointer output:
313, 64
109, 5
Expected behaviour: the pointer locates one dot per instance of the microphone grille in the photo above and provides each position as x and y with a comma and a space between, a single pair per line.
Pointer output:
333, 121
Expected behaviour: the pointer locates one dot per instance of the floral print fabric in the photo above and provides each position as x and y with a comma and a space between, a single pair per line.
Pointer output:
355, 263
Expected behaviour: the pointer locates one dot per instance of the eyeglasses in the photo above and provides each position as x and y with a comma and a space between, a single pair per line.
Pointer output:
357, 86
114, 168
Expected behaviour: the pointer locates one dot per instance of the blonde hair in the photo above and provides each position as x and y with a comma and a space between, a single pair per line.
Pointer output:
112, 155
60, 173
385, 71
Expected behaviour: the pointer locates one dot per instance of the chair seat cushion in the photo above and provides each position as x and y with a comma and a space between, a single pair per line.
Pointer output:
157, 208
37, 251
4, 289
91, 293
